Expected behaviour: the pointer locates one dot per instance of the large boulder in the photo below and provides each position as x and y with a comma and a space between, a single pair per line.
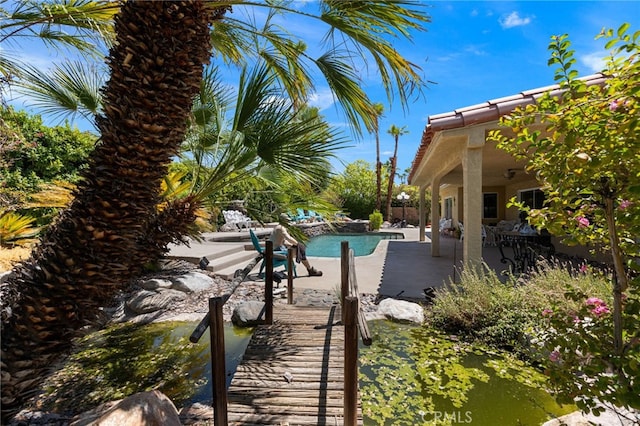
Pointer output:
142, 409
619, 416
192, 282
401, 311
146, 301
155, 283
248, 314
4, 276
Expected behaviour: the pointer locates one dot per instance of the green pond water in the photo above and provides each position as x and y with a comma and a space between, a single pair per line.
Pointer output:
409, 376
412, 375
126, 359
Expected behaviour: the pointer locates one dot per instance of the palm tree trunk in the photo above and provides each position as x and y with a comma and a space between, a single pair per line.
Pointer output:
101, 240
392, 173
378, 173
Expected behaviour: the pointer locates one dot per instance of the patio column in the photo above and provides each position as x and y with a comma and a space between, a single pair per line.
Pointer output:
435, 218
472, 197
423, 189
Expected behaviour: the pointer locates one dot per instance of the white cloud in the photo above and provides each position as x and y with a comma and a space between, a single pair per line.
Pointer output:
448, 57
513, 20
322, 99
595, 61
475, 50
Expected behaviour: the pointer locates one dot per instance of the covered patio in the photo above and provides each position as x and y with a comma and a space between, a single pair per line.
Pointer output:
471, 181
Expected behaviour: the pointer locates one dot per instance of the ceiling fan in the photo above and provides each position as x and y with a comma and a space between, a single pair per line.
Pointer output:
510, 173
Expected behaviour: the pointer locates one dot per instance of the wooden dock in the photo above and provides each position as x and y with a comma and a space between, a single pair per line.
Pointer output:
292, 372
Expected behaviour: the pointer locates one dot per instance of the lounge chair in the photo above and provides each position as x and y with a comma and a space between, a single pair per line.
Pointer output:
236, 219
279, 257
315, 217
301, 216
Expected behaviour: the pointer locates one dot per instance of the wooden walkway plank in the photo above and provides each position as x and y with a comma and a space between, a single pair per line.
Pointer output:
292, 371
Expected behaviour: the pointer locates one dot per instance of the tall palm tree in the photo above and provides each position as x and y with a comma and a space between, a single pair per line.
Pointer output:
379, 110
104, 237
98, 241
396, 132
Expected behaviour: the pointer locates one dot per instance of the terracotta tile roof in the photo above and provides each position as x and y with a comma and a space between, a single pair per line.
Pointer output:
484, 113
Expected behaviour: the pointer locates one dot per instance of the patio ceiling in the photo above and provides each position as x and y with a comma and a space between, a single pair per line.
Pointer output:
448, 128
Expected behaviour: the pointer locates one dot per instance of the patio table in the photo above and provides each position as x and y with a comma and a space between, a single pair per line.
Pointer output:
525, 248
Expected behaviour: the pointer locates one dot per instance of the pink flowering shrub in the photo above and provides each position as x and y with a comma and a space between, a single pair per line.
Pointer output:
583, 222
580, 362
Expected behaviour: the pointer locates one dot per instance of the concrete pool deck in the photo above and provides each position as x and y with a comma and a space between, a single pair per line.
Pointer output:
399, 268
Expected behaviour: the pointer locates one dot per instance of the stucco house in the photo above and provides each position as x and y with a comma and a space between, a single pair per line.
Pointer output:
471, 180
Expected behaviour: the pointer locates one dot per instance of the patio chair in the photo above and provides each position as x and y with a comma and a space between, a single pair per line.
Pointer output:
315, 217
236, 219
301, 216
444, 226
484, 236
279, 257
461, 228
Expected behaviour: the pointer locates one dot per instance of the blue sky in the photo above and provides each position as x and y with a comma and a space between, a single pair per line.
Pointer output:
478, 51
472, 51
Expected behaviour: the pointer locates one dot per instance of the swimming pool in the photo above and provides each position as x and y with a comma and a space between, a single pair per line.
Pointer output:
328, 245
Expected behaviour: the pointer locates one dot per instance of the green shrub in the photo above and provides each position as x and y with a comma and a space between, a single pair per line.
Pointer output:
507, 314
375, 220
484, 308
37, 153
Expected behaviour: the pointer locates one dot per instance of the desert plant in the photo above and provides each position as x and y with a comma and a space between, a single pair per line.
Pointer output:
16, 229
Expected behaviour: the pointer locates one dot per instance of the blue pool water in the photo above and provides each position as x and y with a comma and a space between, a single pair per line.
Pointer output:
328, 245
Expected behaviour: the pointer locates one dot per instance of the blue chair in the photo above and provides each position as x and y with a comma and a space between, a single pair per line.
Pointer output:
279, 257
315, 217
301, 216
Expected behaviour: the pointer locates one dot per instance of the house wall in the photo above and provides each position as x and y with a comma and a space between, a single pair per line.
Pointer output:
411, 215
502, 202
455, 193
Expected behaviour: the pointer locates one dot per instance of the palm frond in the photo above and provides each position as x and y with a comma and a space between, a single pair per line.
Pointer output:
229, 41
213, 101
51, 21
365, 29
174, 186
372, 26
254, 90
346, 87
71, 88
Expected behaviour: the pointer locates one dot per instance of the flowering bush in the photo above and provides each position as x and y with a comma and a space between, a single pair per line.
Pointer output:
578, 357
587, 161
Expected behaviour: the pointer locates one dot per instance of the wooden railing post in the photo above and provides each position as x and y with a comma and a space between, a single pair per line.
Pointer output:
344, 274
350, 309
218, 367
290, 276
268, 283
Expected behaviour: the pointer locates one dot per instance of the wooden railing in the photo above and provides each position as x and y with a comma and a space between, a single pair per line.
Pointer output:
214, 320
352, 317
354, 320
